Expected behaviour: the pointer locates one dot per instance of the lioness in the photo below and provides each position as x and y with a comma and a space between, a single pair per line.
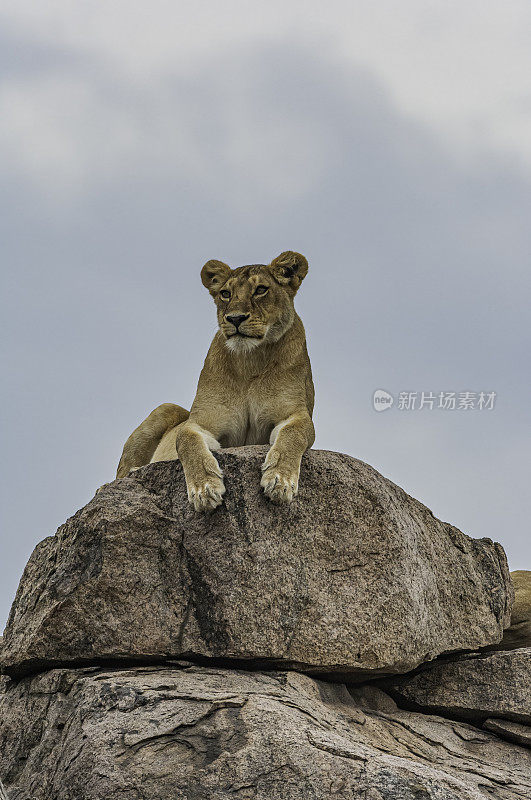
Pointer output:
255, 387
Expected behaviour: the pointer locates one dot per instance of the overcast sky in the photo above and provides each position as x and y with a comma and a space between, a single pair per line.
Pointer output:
390, 143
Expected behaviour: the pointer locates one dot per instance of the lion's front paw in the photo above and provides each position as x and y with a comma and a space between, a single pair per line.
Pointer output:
206, 487
207, 495
279, 483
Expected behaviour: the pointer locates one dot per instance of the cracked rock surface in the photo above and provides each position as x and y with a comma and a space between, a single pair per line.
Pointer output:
354, 578
512, 731
471, 687
198, 733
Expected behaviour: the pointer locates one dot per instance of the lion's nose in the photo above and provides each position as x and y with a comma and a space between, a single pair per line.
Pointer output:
237, 319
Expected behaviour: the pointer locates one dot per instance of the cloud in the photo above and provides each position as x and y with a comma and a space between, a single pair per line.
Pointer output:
68, 132
462, 69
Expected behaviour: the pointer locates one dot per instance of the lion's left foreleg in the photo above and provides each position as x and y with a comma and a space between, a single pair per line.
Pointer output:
289, 441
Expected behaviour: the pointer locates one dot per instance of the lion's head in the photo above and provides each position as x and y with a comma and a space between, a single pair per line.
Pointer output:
255, 303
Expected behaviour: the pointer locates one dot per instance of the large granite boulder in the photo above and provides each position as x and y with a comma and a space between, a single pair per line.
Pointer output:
193, 733
472, 687
353, 578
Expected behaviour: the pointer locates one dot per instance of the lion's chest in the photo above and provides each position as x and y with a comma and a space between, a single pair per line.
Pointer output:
250, 419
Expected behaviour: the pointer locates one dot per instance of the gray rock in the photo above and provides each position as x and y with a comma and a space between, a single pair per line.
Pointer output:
518, 634
371, 698
193, 733
512, 731
3, 795
355, 577
471, 687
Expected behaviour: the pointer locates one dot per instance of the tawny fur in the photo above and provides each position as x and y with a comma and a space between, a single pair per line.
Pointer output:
255, 387
141, 445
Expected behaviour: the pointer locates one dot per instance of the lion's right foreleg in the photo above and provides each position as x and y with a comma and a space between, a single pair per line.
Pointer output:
143, 442
204, 479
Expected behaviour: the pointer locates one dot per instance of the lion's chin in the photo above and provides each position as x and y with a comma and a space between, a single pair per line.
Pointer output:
242, 344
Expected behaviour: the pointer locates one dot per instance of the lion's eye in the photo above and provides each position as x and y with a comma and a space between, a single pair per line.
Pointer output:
261, 289
225, 294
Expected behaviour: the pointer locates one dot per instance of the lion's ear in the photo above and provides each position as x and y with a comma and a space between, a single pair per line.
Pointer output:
214, 274
289, 269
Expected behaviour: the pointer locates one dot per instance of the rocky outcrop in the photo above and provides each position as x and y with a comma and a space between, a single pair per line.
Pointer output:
193, 733
472, 687
355, 578
153, 653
